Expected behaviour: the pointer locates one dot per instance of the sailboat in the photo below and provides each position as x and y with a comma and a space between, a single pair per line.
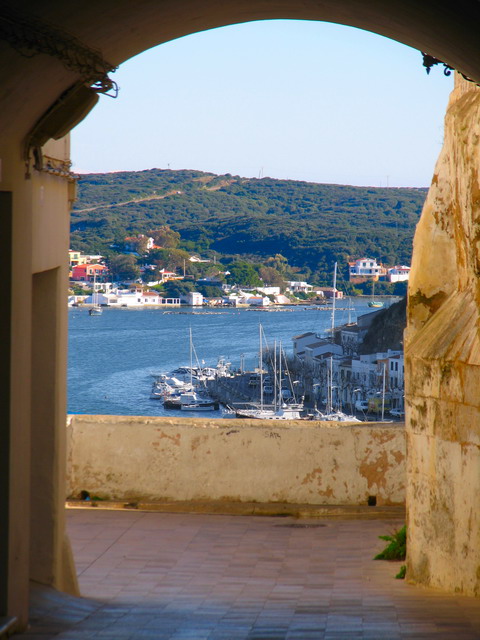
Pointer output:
95, 309
280, 410
332, 415
374, 303
189, 399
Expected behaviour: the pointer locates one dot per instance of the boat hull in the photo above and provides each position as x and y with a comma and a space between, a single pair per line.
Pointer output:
95, 311
200, 406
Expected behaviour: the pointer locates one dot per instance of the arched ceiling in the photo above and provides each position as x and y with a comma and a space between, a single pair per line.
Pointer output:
120, 29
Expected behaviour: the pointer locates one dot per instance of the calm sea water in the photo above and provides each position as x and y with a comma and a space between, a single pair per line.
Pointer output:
112, 357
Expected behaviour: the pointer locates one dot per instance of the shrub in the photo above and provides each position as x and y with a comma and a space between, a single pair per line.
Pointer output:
396, 548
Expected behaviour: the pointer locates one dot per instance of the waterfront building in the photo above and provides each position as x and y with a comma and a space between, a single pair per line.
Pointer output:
299, 287
130, 298
329, 293
90, 272
193, 299
398, 273
364, 270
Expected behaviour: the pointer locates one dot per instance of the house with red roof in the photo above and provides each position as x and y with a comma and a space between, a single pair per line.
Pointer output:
90, 272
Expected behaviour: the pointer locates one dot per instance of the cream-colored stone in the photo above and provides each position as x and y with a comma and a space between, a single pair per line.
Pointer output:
443, 343
179, 459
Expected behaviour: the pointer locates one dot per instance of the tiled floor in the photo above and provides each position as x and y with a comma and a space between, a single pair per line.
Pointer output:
198, 577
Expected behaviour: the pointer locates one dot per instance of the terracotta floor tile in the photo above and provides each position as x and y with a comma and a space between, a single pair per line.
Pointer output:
201, 577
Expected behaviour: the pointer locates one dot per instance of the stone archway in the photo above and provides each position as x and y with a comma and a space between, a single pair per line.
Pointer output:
48, 62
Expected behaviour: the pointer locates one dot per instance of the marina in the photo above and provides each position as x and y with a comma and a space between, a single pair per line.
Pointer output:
112, 357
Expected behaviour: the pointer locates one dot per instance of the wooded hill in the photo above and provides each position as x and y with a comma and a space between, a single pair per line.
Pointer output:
312, 225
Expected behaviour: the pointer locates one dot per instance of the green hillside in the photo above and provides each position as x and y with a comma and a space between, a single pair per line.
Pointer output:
312, 225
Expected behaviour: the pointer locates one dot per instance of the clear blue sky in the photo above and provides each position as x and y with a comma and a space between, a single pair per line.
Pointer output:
303, 100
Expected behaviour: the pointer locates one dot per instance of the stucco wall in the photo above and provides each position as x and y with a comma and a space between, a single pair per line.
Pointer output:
124, 457
443, 363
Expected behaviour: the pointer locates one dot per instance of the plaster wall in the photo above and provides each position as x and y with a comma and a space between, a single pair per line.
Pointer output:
125, 457
33, 536
443, 363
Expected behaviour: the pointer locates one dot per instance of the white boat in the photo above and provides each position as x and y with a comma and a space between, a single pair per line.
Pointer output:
195, 402
331, 414
95, 309
337, 416
285, 412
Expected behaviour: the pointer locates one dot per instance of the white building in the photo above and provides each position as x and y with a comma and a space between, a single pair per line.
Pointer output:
365, 269
131, 298
394, 369
269, 291
299, 287
350, 337
248, 299
398, 273
198, 259
364, 371
301, 341
322, 349
193, 299
259, 301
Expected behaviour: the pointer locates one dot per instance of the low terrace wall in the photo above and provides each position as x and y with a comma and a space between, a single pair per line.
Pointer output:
144, 458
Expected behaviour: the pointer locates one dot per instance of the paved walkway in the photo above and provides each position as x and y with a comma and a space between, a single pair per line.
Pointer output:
179, 576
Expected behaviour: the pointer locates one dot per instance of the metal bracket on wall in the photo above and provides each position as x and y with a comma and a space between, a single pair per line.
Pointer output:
430, 61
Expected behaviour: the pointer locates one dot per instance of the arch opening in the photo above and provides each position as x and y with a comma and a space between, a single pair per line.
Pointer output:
31, 85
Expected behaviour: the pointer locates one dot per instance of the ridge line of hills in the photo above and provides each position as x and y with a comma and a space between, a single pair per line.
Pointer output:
312, 225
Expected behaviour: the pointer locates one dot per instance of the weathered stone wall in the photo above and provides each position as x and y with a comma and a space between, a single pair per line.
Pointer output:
443, 363
125, 457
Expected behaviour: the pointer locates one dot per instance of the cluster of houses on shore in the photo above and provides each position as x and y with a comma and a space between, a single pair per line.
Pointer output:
359, 382
89, 272
365, 269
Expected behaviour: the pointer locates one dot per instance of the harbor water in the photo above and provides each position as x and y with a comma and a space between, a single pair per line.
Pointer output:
112, 357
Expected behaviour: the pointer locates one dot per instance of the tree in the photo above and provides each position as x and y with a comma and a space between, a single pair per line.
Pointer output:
243, 273
123, 267
278, 262
165, 237
138, 243
209, 291
272, 277
170, 259
177, 288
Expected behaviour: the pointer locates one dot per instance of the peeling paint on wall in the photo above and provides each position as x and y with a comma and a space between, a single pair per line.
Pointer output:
185, 459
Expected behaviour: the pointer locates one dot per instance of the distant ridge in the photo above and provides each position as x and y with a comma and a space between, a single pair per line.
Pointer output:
312, 225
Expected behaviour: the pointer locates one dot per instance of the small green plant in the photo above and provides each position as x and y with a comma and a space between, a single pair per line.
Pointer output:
401, 574
396, 548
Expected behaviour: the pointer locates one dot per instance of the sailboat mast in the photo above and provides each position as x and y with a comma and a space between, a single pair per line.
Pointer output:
330, 387
260, 359
383, 392
191, 359
334, 298
275, 389
280, 375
